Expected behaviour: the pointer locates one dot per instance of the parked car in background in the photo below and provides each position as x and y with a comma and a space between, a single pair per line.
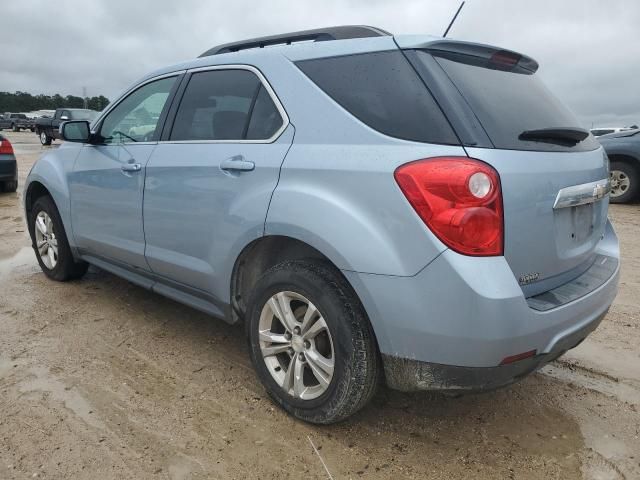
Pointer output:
623, 149
420, 222
16, 122
597, 132
8, 167
47, 128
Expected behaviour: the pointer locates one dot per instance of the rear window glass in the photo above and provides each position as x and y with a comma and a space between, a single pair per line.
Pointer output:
509, 103
383, 91
84, 115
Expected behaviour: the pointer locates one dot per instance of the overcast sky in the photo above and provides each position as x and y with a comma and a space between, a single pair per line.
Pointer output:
588, 50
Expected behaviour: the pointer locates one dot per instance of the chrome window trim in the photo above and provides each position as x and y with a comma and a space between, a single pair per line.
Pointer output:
582, 194
274, 98
98, 120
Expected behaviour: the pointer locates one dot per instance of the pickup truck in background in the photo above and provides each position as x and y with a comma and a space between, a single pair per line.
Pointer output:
47, 128
16, 122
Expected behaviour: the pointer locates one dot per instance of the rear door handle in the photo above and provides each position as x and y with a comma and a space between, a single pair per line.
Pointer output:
237, 163
131, 167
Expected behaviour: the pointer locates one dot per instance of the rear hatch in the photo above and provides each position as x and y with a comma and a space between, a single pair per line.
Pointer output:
553, 173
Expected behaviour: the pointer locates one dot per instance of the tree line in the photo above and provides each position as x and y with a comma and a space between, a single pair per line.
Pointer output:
25, 102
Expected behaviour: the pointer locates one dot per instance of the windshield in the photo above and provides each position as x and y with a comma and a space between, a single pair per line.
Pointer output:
510, 103
88, 115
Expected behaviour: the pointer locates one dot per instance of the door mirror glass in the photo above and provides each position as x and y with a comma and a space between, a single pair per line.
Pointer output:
75, 131
64, 117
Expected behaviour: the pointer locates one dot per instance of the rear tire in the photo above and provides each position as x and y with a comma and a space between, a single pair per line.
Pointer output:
625, 182
50, 235
44, 138
334, 356
15, 128
9, 187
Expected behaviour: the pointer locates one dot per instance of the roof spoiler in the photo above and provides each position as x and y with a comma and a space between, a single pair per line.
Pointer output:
318, 35
496, 56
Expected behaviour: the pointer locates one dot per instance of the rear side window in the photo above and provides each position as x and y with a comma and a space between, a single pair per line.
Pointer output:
508, 103
225, 105
383, 91
265, 118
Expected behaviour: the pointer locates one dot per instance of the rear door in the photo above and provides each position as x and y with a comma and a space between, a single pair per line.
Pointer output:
553, 173
210, 180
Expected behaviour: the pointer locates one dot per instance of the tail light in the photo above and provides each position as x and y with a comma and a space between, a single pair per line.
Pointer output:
5, 147
459, 199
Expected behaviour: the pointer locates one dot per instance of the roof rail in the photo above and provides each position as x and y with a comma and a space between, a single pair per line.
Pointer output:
318, 35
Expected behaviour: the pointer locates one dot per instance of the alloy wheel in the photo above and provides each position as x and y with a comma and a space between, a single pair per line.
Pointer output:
46, 241
620, 183
296, 345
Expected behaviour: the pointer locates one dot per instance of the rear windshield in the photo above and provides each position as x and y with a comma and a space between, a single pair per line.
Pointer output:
382, 90
88, 115
508, 103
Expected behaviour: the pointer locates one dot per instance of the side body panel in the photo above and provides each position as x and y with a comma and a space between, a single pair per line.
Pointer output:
52, 170
337, 191
106, 202
197, 217
628, 146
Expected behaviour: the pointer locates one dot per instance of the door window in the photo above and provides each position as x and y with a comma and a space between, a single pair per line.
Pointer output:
225, 105
135, 119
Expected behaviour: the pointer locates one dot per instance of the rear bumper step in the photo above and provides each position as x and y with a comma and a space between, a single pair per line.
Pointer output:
600, 271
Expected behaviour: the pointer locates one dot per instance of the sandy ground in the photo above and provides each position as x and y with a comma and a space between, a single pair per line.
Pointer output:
102, 379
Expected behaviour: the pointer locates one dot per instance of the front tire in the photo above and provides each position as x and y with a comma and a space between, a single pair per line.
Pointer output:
50, 243
44, 138
311, 342
625, 182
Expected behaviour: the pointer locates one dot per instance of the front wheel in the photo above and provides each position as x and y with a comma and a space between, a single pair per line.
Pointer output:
625, 182
15, 128
311, 342
44, 138
50, 243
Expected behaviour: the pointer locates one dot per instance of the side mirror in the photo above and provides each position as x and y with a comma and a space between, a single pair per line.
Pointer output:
75, 131
64, 117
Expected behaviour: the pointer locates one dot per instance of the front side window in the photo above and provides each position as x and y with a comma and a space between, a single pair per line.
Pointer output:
225, 105
136, 118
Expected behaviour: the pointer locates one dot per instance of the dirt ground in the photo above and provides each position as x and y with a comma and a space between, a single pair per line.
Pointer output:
100, 379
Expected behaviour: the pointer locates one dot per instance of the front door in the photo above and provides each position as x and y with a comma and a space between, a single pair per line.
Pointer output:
210, 180
107, 181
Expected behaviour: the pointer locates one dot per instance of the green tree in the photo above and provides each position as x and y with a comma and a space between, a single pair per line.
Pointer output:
26, 102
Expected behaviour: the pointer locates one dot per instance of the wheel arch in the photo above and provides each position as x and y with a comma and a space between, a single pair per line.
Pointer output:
631, 160
263, 253
258, 256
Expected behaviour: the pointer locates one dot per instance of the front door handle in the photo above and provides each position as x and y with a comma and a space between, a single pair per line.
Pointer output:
131, 167
237, 163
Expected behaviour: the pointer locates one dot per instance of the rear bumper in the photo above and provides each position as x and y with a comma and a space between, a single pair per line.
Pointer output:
410, 375
8, 168
462, 313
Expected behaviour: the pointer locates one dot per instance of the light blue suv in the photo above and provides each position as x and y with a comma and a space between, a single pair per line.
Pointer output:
375, 208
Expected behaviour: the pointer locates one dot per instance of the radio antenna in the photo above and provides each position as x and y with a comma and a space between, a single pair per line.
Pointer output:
453, 20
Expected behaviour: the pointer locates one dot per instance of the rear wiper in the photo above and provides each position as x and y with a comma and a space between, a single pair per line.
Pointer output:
555, 135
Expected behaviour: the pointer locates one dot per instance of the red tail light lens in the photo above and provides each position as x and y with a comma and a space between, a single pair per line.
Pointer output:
459, 199
5, 147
